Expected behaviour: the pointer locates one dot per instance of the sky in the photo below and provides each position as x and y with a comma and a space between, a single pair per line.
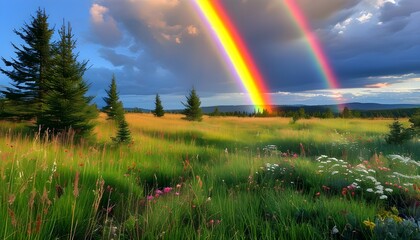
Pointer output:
164, 47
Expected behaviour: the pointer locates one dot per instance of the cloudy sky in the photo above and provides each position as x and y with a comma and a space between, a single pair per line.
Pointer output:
163, 46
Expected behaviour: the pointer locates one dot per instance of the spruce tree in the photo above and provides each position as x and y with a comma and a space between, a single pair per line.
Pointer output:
113, 107
123, 133
415, 121
192, 109
346, 113
397, 133
29, 73
158, 112
67, 107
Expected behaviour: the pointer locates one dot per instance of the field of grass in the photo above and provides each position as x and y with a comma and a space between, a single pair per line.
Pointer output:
222, 178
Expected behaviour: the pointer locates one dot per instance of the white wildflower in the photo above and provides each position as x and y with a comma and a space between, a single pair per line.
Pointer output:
383, 197
369, 190
407, 176
388, 189
335, 172
334, 230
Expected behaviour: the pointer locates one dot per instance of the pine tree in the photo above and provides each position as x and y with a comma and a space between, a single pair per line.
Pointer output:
158, 112
113, 105
123, 134
29, 74
415, 121
67, 107
397, 133
329, 113
192, 109
346, 113
215, 112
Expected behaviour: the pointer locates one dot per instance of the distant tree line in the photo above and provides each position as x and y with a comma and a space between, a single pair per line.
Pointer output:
311, 112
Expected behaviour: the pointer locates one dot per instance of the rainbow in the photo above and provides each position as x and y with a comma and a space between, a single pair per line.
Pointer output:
314, 46
236, 52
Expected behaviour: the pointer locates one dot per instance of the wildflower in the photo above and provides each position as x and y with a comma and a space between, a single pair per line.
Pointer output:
388, 189
167, 189
369, 224
177, 193
334, 230
335, 172
158, 192
317, 194
150, 197
344, 191
383, 197
369, 190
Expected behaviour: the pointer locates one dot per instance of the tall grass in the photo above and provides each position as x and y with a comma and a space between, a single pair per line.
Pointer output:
189, 180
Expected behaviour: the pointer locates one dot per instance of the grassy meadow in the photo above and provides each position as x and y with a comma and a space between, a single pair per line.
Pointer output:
221, 178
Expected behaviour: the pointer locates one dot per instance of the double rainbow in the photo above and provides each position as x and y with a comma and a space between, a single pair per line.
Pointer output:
240, 59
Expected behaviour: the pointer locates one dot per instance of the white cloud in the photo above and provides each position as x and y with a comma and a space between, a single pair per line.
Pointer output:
97, 13
381, 3
364, 17
192, 30
104, 26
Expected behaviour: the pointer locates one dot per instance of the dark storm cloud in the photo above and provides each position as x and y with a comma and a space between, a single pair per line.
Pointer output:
166, 35
169, 48
403, 10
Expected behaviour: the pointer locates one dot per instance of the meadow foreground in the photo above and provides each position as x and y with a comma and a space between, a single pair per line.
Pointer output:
222, 178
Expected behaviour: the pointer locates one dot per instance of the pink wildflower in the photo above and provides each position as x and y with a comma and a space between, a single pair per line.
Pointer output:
158, 192
150, 197
167, 189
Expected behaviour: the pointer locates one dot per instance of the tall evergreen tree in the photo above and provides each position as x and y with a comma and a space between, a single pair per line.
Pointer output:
67, 107
158, 112
192, 109
113, 107
29, 73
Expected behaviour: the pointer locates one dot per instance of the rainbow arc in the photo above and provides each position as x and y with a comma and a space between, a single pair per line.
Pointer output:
239, 57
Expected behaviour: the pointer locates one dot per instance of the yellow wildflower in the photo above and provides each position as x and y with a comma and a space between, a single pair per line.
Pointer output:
369, 224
